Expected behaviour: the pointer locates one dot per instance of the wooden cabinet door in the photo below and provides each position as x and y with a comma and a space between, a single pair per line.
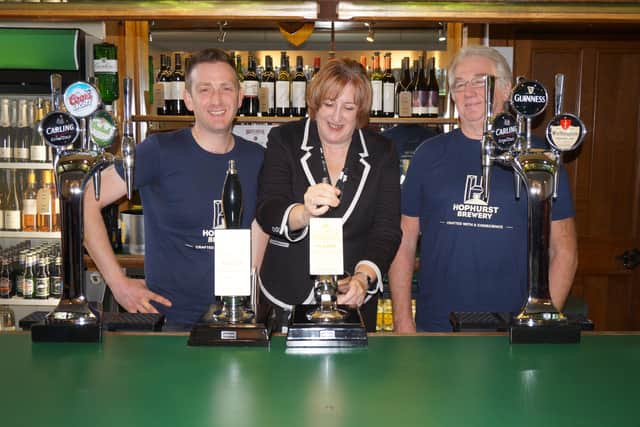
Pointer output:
603, 87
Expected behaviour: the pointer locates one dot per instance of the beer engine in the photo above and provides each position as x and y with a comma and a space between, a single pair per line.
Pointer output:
79, 137
507, 141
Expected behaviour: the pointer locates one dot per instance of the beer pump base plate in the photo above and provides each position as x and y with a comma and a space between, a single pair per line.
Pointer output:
562, 333
349, 332
208, 332
65, 332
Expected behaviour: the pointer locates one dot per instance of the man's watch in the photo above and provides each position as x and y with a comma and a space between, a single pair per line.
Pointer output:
368, 279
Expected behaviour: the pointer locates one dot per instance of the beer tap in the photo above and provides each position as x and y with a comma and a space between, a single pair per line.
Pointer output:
486, 147
79, 137
128, 145
559, 95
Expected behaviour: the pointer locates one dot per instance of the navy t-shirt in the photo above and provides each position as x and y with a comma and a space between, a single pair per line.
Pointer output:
473, 255
181, 186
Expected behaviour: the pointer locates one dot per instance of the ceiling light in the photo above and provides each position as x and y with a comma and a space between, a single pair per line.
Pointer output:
442, 32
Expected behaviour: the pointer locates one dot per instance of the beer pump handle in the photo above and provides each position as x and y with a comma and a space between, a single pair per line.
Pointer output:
486, 146
56, 91
559, 93
128, 145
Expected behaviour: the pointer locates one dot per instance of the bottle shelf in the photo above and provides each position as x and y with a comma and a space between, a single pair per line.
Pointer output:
25, 165
29, 235
18, 301
257, 119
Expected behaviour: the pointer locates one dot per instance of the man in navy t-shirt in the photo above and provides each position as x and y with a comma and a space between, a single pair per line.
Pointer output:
473, 253
180, 177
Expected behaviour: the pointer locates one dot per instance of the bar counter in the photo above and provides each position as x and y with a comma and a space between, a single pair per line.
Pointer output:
422, 380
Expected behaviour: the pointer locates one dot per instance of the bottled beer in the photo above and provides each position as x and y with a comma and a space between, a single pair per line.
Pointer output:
23, 134
232, 197
283, 88
29, 278
268, 89
105, 69
299, 90
56, 278
403, 91
5, 279
376, 87
388, 88
42, 289
433, 91
250, 102
11, 208
19, 273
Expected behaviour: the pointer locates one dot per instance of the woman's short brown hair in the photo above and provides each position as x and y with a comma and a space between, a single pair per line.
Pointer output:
332, 79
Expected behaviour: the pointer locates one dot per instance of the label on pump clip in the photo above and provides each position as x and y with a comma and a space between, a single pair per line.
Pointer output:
59, 129
81, 99
565, 132
102, 129
529, 98
504, 130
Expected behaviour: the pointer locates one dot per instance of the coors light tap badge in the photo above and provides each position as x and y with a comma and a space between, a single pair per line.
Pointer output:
81, 99
529, 98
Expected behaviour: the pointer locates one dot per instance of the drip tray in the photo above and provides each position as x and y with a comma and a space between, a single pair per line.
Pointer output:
111, 321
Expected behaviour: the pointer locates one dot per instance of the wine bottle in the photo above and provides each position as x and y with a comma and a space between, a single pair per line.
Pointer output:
283, 88
46, 203
403, 91
38, 148
376, 87
316, 66
29, 203
419, 92
232, 197
388, 88
11, 209
23, 134
267, 89
250, 102
6, 133
176, 104
161, 88
299, 90
105, 69
433, 91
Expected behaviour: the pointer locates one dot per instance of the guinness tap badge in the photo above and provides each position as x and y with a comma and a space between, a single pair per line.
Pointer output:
504, 131
565, 132
529, 98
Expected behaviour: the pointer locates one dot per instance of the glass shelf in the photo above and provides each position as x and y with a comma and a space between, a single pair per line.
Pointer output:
25, 165
29, 235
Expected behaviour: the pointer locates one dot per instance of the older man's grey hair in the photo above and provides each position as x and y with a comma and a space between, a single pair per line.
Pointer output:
503, 70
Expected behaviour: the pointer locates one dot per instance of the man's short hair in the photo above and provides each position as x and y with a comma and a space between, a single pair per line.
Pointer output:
503, 70
210, 55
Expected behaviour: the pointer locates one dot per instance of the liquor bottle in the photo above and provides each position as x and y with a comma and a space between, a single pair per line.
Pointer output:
251, 85
5, 279
175, 103
23, 134
6, 133
403, 91
376, 87
267, 89
283, 88
232, 197
46, 200
299, 90
42, 286
29, 204
388, 88
56, 278
161, 88
38, 148
105, 69
433, 91
316, 66
11, 208
419, 92
29, 278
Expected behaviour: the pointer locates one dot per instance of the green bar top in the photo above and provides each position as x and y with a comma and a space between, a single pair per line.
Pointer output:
156, 380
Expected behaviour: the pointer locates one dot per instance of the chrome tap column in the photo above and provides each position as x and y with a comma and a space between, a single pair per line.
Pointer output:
507, 140
78, 160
